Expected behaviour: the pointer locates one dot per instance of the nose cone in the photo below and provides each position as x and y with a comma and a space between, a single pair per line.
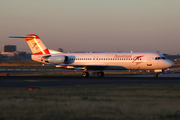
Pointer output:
169, 64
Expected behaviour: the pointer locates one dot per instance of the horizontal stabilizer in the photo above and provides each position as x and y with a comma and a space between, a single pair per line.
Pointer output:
20, 37
36, 45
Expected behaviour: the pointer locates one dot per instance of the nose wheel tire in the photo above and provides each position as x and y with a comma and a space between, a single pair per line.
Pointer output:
85, 74
155, 75
100, 74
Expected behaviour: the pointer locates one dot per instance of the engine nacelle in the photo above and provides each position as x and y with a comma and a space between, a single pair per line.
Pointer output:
57, 59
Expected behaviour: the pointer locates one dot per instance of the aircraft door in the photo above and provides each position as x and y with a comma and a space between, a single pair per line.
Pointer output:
149, 63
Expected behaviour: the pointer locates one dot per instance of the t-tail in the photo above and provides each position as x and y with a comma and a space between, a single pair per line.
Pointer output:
36, 45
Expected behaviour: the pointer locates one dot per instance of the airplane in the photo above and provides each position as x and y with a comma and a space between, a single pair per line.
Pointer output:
96, 61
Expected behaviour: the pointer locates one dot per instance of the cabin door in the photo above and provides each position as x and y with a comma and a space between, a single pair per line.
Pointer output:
149, 63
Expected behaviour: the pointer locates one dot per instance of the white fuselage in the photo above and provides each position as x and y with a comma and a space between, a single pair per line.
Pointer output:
111, 61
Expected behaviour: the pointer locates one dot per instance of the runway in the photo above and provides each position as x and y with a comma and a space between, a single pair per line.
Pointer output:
55, 81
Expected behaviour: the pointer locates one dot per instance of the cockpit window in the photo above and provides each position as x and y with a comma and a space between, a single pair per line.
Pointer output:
163, 57
159, 58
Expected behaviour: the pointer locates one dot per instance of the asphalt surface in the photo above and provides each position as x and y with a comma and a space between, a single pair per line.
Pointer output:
55, 81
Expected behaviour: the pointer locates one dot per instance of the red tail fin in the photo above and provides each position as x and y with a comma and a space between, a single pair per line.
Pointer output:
36, 45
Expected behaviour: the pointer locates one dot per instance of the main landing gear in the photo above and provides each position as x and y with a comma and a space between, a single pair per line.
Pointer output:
100, 74
86, 74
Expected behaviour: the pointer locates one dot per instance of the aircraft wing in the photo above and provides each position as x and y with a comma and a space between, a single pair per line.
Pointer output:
87, 66
99, 66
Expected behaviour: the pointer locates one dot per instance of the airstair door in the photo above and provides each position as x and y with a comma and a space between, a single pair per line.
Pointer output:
149, 63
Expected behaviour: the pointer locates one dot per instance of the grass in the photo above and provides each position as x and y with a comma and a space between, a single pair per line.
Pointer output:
127, 102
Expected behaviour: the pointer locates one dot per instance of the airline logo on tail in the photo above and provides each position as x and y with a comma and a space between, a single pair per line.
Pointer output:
35, 44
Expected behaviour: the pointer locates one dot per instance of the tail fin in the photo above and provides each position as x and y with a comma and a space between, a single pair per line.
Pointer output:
36, 45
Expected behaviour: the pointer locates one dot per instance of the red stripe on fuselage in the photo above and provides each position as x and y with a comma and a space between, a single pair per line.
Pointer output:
139, 57
46, 51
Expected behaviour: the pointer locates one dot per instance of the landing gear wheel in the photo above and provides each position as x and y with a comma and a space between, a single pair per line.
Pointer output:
100, 74
85, 74
155, 75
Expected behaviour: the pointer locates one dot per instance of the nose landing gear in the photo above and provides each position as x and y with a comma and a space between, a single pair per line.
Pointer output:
155, 75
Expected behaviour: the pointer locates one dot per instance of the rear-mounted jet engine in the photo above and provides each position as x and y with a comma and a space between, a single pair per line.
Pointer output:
57, 59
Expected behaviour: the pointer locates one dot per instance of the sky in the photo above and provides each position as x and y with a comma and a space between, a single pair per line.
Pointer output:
93, 25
